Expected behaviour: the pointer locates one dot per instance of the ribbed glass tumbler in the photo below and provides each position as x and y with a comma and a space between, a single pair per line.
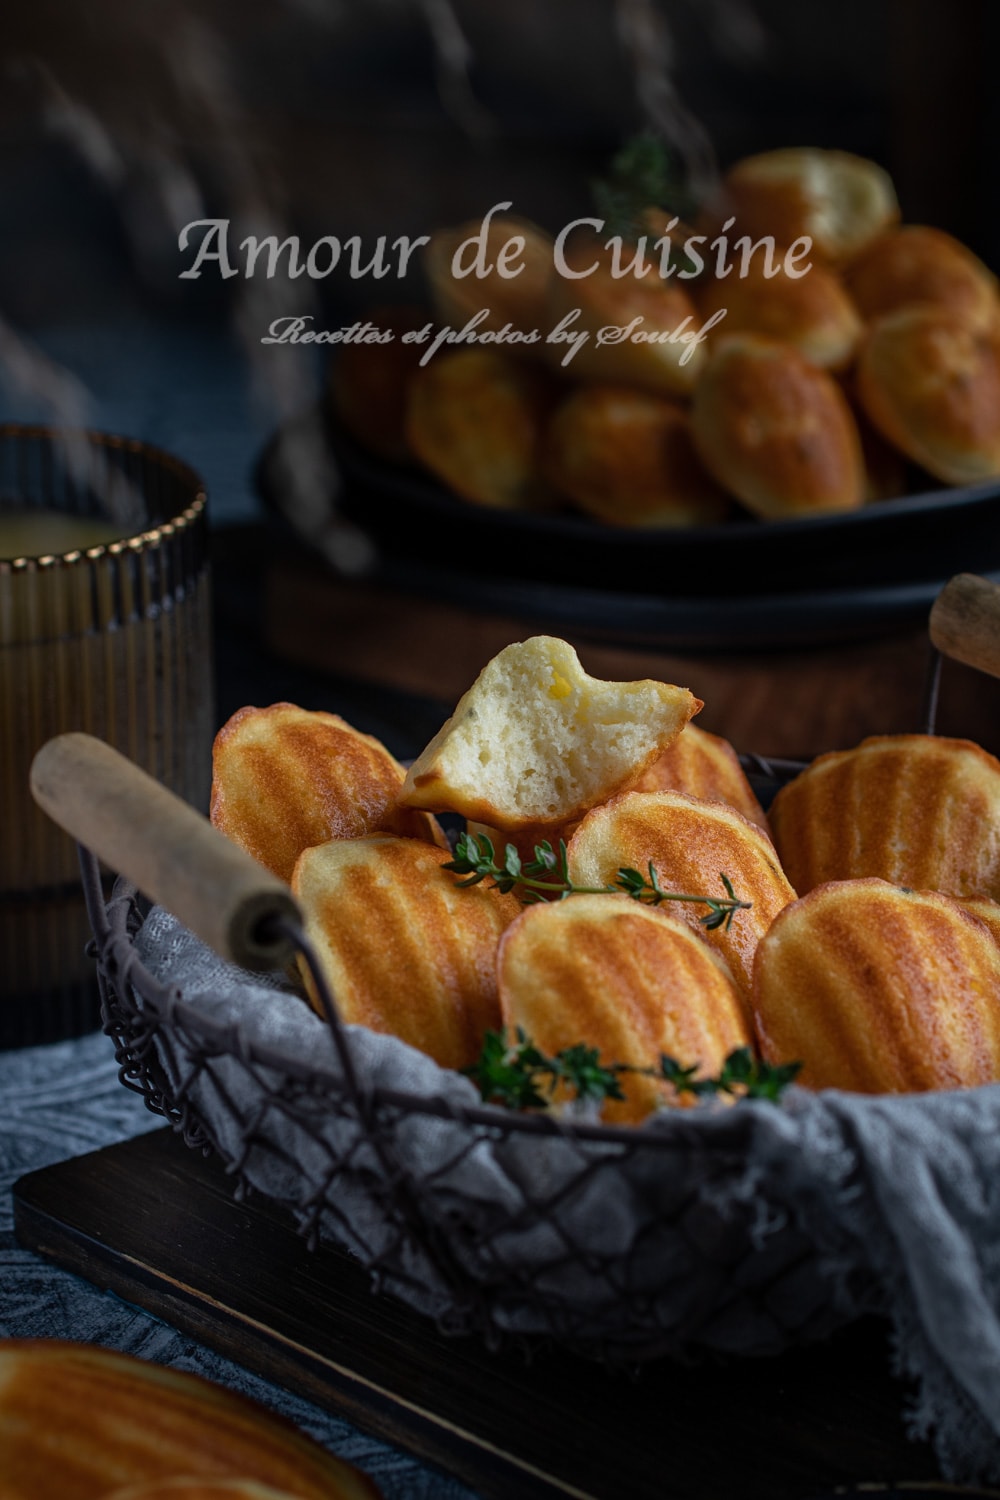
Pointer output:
105, 626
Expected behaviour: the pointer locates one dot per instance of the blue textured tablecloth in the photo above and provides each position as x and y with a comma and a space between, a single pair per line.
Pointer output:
62, 1101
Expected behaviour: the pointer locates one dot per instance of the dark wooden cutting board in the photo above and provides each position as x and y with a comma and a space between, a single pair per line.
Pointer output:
156, 1224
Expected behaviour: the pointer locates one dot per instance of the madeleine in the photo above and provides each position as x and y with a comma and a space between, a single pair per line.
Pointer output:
931, 385
369, 384
404, 949
627, 457
475, 419
691, 845
662, 352
914, 264
285, 778
918, 809
706, 766
536, 740
839, 201
813, 312
83, 1422
777, 432
515, 300
879, 989
631, 981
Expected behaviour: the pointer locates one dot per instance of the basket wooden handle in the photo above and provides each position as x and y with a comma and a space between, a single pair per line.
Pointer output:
965, 622
173, 854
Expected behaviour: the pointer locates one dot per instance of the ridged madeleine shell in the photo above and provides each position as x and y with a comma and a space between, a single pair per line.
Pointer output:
879, 989
916, 809
704, 765
285, 778
404, 949
624, 978
78, 1422
691, 845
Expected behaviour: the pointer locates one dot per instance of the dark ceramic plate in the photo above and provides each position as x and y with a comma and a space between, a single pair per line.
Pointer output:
743, 584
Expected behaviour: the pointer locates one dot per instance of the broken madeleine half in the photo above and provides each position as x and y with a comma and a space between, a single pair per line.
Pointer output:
285, 778
404, 948
841, 202
918, 809
78, 1422
536, 741
632, 981
691, 845
877, 988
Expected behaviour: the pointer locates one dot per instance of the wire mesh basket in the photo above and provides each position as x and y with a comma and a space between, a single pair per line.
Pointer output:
621, 1243
695, 1233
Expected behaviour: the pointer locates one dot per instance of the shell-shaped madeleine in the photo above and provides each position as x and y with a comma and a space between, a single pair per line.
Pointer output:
841, 202
930, 383
879, 989
476, 418
536, 740
916, 264
286, 778
624, 978
776, 431
514, 300
703, 765
404, 949
627, 457
660, 351
917, 809
78, 1422
691, 845
812, 312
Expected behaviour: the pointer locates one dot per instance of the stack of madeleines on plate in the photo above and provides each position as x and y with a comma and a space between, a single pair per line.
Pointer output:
860, 936
861, 369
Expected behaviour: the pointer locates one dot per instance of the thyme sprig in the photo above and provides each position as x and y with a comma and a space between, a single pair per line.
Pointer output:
642, 175
515, 1073
547, 878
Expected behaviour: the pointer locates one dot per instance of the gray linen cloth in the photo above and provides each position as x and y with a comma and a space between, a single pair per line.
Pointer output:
896, 1199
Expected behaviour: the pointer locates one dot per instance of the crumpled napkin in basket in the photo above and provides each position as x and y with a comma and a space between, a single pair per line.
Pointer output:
899, 1195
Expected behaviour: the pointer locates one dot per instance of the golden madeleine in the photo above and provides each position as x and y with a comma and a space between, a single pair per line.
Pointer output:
285, 778
691, 845
777, 432
930, 383
706, 766
78, 1422
475, 418
641, 330
812, 312
510, 280
627, 457
632, 981
841, 202
405, 950
914, 264
536, 741
917, 809
877, 988
985, 911
369, 383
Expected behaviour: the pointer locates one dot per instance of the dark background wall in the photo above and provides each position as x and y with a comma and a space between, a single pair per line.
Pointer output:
116, 114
